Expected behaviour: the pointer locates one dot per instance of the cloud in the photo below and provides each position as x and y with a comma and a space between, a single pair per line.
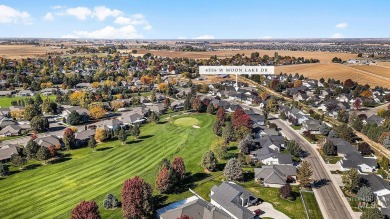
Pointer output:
10, 15
102, 12
136, 19
337, 35
341, 25
109, 32
49, 16
57, 7
205, 37
80, 13
148, 27
266, 37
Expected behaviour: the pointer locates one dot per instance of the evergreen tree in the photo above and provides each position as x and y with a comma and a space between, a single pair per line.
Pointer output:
294, 149
110, 202
365, 194
386, 142
233, 170
329, 148
209, 161
92, 143
122, 136
39, 124
228, 133
324, 129
210, 108
135, 131
4, 170
31, 149
217, 128
17, 160
372, 213
74, 118
43, 154
333, 134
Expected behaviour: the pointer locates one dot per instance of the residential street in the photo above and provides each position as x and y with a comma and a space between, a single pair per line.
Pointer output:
327, 194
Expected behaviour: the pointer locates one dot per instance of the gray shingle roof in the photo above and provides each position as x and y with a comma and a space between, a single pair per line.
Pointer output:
275, 174
226, 195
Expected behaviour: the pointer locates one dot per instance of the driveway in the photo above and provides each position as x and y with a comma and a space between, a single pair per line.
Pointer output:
269, 211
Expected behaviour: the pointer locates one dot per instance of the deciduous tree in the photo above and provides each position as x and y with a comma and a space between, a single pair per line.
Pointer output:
100, 135
137, 199
165, 180
372, 213
179, 168
86, 210
304, 174
92, 143
39, 124
97, 112
122, 135
351, 180
285, 191
324, 129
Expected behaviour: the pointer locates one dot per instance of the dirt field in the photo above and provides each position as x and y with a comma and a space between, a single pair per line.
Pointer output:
337, 71
373, 69
383, 64
324, 57
24, 51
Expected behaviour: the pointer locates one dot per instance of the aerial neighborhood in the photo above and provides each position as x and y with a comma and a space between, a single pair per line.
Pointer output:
183, 145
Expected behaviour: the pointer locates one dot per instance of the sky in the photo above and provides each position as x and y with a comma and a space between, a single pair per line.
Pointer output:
201, 19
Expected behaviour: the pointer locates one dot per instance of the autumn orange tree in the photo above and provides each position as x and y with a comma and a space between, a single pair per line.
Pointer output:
297, 83
77, 98
97, 112
366, 94
161, 87
146, 79
100, 135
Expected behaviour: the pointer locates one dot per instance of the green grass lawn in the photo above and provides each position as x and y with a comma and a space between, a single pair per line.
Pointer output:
186, 122
296, 127
293, 209
312, 205
51, 191
6, 101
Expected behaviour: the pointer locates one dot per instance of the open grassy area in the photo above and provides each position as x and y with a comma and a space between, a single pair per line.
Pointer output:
312, 205
186, 122
51, 191
6, 101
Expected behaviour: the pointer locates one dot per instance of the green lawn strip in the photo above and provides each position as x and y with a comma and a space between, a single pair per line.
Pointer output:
296, 127
312, 205
53, 190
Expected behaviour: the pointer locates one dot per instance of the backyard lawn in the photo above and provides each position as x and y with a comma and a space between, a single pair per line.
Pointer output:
51, 191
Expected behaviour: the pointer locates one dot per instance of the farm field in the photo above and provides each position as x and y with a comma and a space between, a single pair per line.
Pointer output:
336, 71
374, 69
52, 191
24, 51
322, 56
6, 101
384, 64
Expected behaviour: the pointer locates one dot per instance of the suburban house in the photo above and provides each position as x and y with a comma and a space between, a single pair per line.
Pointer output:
112, 124
312, 125
25, 93
343, 146
275, 175
374, 119
269, 156
7, 151
132, 117
356, 160
274, 142
379, 187
11, 130
6, 93
194, 207
233, 199
84, 113
47, 141
83, 137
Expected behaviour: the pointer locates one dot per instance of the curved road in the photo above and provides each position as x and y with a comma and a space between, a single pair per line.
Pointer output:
327, 193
